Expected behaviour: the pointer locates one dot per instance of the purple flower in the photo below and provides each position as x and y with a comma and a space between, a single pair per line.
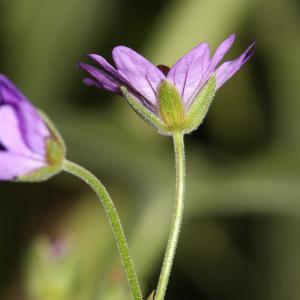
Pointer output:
26, 138
140, 81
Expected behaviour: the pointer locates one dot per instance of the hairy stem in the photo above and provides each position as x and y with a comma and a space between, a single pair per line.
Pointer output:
114, 220
177, 216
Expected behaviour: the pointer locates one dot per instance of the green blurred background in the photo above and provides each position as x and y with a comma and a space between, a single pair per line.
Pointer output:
241, 231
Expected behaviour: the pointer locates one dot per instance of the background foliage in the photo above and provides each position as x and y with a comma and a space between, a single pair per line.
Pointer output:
240, 238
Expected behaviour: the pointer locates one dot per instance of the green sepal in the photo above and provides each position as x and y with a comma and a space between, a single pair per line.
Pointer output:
55, 154
200, 106
144, 113
170, 106
41, 174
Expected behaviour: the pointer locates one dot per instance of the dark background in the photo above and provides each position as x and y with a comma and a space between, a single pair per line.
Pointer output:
241, 231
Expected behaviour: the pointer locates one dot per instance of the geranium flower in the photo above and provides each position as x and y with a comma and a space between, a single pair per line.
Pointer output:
30, 147
170, 99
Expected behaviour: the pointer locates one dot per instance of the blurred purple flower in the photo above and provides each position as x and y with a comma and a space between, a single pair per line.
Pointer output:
142, 79
59, 249
23, 134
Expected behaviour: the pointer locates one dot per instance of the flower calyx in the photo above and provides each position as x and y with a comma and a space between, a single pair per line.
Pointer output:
55, 155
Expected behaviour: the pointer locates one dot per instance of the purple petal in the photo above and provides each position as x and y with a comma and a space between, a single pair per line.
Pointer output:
139, 73
221, 51
9, 94
187, 73
217, 57
105, 74
105, 66
229, 68
101, 80
33, 128
10, 133
13, 165
17, 159
92, 82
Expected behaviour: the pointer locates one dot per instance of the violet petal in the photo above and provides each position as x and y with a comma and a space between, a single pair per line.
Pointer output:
36, 131
140, 74
229, 68
9, 94
33, 128
10, 133
221, 51
105, 66
18, 159
188, 72
103, 80
13, 165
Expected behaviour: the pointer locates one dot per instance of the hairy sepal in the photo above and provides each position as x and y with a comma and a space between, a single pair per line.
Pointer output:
149, 117
55, 155
198, 110
170, 106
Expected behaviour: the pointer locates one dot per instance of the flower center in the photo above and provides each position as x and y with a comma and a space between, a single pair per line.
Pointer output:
165, 69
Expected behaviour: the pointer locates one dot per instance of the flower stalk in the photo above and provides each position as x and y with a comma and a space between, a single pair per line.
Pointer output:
176, 218
114, 220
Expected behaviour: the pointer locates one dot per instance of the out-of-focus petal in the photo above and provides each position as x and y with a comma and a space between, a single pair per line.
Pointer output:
140, 74
187, 73
16, 159
34, 128
14, 165
10, 133
31, 125
229, 68
9, 92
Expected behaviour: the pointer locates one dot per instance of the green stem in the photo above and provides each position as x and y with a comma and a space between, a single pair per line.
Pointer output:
177, 217
114, 220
